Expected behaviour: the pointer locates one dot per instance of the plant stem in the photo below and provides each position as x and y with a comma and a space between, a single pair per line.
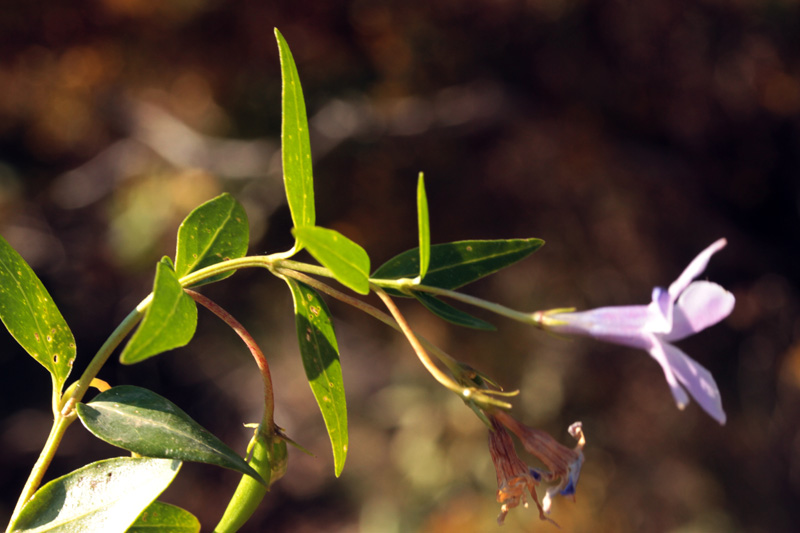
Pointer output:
374, 312
423, 356
258, 355
406, 285
66, 415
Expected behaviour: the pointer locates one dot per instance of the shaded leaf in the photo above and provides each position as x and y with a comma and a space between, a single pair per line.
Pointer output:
215, 231
423, 224
456, 264
141, 421
320, 354
160, 517
347, 261
450, 313
169, 321
103, 496
298, 178
32, 318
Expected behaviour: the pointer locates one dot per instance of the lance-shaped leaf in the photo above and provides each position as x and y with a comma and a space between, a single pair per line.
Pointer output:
32, 318
347, 261
450, 313
169, 321
424, 228
320, 355
103, 496
141, 421
456, 264
160, 517
298, 178
215, 231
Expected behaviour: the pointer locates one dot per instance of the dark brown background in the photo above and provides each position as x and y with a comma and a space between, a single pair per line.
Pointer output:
628, 135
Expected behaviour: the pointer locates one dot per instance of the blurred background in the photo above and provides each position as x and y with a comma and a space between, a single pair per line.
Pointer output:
628, 135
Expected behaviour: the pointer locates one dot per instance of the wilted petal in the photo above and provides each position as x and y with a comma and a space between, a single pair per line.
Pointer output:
569, 482
513, 475
695, 268
562, 463
697, 380
701, 305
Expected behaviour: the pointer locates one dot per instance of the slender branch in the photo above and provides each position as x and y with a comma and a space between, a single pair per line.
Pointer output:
446, 359
423, 356
498, 309
258, 355
60, 425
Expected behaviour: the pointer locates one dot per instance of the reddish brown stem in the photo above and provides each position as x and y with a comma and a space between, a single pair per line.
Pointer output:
258, 355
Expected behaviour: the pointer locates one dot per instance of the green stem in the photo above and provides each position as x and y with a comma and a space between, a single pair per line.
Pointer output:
422, 354
374, 312
407, 285
66, 415
37, 472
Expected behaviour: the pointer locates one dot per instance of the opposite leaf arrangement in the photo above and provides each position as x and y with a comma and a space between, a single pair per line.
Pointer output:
211, 245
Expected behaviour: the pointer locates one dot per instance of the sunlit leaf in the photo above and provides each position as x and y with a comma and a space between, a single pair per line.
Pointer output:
141, 421
169, 321
456, 264
450, 313
160, 517
104, 496
424, 228
215, 231
347, 261
32, 318
295, 145
320, 355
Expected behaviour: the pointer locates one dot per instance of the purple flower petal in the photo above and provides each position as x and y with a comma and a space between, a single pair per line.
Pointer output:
701, 305
699, 381
659, 312
658, 352
695, 268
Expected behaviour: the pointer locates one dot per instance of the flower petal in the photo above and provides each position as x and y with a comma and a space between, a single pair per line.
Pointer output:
695, 268
658, 353
701, 305
659, 312
699, 381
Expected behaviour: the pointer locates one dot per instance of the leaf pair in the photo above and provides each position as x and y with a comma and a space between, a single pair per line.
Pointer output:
214, 232
451, 265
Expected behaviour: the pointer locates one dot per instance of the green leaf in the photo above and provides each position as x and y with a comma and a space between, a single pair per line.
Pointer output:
450, 313
141, 421
215, 231
298, 178
160, 517
103, 496
169, 321
320, 355
456, 264
347, 261
32, 318
424, 228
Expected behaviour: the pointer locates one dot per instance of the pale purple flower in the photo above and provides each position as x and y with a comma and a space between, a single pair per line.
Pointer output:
687, 307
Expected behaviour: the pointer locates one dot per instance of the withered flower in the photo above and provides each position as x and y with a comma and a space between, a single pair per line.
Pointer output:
513, 475
562, 464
